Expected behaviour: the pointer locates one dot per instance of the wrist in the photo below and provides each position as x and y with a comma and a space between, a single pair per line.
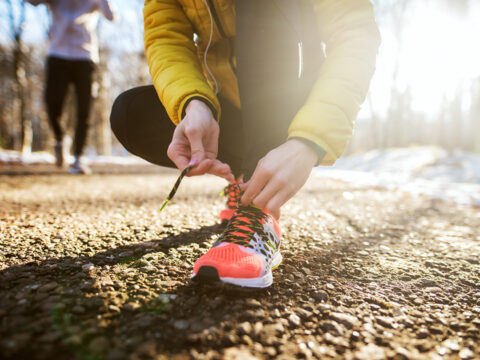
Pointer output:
199, 104
313, 151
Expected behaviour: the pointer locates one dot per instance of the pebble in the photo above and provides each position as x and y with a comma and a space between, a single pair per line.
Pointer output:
47, 287
348, 320
244, 328
331, 326
181, 324
88, 267
234, 353
370, 352
466, 353
385, 322
272, 330
253, 303
294, 320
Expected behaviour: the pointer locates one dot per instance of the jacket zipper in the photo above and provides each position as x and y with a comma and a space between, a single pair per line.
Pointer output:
222, 33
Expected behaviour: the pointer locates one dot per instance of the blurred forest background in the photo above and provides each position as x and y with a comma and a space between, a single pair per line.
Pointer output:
426, 90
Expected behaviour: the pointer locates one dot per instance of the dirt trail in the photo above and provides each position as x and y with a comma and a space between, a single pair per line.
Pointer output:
90, 270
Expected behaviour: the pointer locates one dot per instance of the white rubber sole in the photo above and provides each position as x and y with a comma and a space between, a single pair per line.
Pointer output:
260, 282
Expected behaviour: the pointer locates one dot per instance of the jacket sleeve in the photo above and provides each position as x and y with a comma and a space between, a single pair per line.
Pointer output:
172, 58
351, 37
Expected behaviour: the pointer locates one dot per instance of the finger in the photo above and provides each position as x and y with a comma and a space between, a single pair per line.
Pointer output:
222, 170
201, 168
180, 159
277, 201
195, 139
256, 183
267, 193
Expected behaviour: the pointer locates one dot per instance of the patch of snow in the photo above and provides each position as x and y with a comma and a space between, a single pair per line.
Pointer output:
16, 157
42, 157
431, 171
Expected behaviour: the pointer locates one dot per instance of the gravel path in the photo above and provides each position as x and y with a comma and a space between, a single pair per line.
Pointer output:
90, 270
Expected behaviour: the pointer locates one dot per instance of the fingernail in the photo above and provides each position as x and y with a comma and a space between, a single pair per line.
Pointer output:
193, 162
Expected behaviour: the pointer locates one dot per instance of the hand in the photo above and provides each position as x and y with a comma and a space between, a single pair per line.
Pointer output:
195, 142
279, 175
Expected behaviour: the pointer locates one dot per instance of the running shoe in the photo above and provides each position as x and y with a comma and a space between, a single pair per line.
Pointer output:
246, 252
233, 193
79, 168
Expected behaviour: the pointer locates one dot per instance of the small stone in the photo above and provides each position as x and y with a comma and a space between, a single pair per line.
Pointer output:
244, 328
348, 320
276, 313
270, 351
253, 303
403, 353
331, 326
254, 314
418, 301
465, 353
272, 330
320, 296
423, 333
131, 306
181, 324
238, 354
47, 287
88, 267
452, 345
294, 320
305, 314
114, 308
370, 352
385, 322
324, 307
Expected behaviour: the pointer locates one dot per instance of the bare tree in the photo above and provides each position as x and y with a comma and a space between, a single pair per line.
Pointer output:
24, 139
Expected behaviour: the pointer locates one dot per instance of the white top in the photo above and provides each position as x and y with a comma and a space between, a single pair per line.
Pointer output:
72, 33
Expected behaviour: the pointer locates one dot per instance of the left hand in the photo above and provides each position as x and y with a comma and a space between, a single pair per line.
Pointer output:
279, 175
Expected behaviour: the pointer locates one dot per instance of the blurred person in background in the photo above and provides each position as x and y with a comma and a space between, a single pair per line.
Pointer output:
72, 56
257, 92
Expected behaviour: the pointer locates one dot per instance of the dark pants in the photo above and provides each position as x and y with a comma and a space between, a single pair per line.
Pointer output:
60, 73
271, 92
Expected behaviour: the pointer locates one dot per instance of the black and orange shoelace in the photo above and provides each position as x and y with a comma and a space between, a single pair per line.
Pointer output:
233, 193
175, 187
246, 221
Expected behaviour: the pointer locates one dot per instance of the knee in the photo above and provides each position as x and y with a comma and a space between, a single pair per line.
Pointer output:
118, 116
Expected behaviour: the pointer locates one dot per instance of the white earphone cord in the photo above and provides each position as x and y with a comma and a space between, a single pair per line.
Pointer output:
208, 47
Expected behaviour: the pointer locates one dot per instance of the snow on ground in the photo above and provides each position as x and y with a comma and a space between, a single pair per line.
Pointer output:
431, 171
43, 157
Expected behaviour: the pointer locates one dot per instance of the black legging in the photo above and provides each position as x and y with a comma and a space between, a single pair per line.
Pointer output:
60, 73
271, 93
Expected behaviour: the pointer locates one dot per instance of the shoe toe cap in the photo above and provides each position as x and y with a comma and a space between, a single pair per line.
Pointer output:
231, 261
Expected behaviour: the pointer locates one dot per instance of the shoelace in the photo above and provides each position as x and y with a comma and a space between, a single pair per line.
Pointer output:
244, 223
175, 187
233, 193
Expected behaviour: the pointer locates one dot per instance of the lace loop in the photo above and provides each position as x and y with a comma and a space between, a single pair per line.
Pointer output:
246, 221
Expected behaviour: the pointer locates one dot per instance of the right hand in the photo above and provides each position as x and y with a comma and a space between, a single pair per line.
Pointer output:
195, 142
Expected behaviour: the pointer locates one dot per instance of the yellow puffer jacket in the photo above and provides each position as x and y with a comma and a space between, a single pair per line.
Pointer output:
347, 27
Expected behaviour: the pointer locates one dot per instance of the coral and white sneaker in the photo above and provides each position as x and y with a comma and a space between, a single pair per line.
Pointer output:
233, 193
246, 252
